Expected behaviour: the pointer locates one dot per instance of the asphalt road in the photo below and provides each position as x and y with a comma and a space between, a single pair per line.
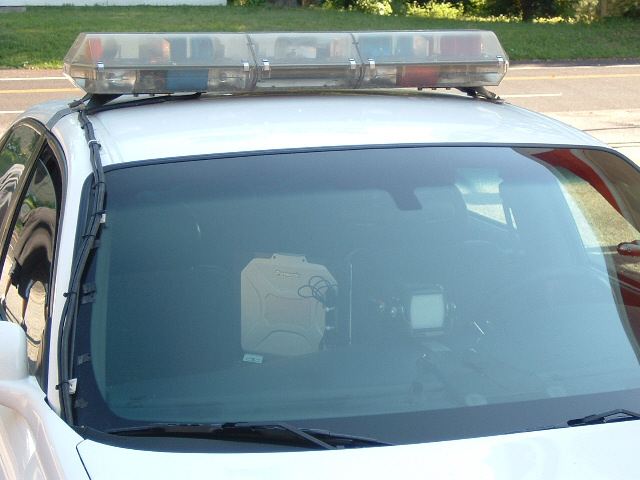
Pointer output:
603, 100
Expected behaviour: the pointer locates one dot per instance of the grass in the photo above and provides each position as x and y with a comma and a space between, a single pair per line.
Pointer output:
40, 36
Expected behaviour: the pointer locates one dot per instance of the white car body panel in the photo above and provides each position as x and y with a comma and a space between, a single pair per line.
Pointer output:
241, 124
34, 441
584, 453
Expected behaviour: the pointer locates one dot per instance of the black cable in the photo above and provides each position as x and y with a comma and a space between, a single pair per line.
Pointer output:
95, 219
101, 102
325, 293
322, 291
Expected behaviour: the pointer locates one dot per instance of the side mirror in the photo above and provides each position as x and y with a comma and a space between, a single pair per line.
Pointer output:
13, 352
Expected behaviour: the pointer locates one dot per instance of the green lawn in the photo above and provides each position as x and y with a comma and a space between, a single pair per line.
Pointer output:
40, 36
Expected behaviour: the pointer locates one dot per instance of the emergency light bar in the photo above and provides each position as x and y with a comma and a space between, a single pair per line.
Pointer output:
160, 63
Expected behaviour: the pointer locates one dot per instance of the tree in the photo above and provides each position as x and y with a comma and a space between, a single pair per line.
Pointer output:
530, 9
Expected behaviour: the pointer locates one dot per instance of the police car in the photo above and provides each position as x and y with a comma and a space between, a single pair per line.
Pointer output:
312, 255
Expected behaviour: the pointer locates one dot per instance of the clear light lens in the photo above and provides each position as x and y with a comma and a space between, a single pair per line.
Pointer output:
156, 63
306, 60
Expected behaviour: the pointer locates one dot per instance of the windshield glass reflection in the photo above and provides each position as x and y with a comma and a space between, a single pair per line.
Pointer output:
328, 285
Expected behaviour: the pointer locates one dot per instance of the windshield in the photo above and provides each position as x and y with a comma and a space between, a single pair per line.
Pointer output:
405, 294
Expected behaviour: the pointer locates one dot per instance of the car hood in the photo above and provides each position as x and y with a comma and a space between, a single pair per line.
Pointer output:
587, 452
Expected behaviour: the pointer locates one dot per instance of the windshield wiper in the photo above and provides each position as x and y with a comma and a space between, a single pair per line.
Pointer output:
618, 415
274, 430
260, 432
341, 440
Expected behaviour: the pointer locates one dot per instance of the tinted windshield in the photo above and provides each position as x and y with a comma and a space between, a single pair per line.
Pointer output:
407, 294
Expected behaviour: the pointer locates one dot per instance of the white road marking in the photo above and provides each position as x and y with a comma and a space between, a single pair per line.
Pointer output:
532, 95
26, 79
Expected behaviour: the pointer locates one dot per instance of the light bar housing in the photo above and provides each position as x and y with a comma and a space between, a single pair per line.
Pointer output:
164, 63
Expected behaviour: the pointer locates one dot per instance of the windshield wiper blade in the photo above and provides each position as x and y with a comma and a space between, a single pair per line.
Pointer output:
188, 430
323, 438
270, 427
261, 432
618, 415
267, 432
346, 441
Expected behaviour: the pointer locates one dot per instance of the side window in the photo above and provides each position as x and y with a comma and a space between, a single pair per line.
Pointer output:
14, 154
27, 265
602, 227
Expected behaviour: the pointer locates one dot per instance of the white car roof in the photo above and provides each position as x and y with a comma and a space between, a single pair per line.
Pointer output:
214, 125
